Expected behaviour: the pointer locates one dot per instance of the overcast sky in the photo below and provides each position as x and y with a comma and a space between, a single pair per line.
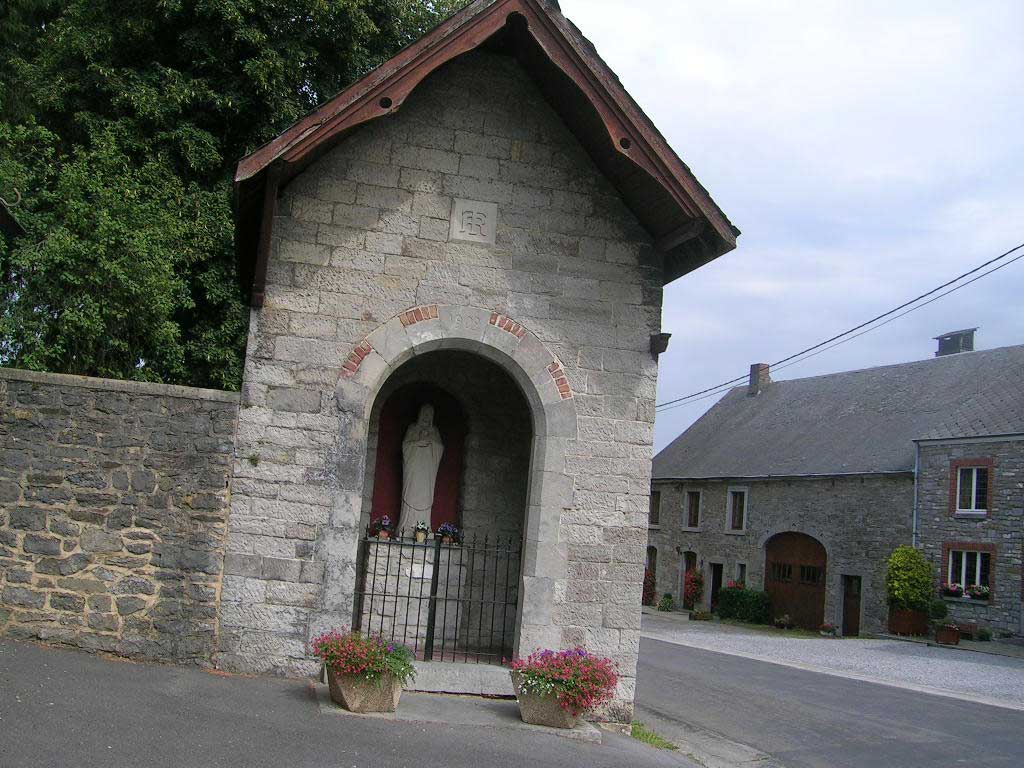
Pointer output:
868, 151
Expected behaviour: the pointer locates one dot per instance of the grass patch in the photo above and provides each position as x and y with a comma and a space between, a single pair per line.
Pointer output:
641, 732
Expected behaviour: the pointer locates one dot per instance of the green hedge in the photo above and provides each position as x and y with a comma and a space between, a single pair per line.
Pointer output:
742, 604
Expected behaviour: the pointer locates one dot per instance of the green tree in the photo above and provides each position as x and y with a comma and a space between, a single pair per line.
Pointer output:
120, 126
908, 579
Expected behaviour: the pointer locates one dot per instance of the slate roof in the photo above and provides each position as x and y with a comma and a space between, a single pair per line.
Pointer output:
854, 422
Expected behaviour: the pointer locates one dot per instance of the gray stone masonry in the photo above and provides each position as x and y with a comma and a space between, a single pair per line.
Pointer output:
1002, 529
858, 519
113, 507
362, 237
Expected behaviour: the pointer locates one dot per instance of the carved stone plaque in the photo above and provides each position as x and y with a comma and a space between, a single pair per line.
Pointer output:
473, 222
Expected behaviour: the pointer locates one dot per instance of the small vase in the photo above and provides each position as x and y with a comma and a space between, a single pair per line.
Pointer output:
383, 535
421, 536
446, 539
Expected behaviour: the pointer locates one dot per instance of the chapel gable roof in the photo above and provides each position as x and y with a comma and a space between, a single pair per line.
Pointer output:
678, 213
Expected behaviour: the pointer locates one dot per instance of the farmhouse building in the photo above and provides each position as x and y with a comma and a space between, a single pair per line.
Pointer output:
467, 246
804, 487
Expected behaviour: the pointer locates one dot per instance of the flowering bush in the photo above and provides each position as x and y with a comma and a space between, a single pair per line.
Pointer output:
580, 680
353, 653
735, 584
448, 529
952, 590
693, 588
978, 591
648, 594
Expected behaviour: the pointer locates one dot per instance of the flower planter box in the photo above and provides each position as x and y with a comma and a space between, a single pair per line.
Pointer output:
541, 710
947, 636
357, 694
908, 622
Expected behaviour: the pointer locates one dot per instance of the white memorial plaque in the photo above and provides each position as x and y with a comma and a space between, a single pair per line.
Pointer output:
473, 222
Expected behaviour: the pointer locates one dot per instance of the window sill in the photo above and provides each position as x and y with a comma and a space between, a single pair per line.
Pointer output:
960, 515
736, 533
950, 599
687, 529
653, 527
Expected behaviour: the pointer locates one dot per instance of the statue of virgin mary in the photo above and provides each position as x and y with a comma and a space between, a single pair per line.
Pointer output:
421, 456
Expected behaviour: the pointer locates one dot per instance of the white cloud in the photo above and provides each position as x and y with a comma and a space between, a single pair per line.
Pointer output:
868, 151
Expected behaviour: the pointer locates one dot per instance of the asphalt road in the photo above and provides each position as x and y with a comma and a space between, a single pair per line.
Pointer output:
811, 720
65, 708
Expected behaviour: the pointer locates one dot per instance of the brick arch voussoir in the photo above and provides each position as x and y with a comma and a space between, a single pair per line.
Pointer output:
432, 327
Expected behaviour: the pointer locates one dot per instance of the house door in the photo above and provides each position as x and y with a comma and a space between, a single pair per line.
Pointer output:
794, 578
851, 606
716, 583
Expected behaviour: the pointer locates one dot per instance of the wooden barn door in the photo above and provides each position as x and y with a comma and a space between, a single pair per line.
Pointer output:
794, 577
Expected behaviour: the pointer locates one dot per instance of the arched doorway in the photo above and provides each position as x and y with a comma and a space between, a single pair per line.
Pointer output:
542, 383
454, 600
794, 577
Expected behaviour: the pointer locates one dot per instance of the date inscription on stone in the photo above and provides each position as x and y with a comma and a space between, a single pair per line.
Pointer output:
473, 222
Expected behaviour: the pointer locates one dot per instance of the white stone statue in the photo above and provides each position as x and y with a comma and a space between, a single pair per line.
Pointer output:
421, 456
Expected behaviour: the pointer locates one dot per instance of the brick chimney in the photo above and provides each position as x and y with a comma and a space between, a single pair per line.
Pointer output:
760, 378
954, 342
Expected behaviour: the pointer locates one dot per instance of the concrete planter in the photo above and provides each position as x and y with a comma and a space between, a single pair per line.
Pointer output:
357, 694
541, 710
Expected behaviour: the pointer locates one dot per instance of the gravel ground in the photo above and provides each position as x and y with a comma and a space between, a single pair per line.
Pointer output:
888, 661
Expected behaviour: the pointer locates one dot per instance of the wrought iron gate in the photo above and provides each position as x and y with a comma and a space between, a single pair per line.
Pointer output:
447, 602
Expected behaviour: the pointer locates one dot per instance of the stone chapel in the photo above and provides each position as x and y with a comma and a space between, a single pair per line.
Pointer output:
474, 238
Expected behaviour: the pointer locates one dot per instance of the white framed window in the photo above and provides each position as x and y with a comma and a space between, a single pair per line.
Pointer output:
968, 568
692, 510
736, 510
654, 513
972, 490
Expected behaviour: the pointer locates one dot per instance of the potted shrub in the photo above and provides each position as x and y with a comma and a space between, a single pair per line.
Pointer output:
555, 687
449, 533
693, 588
421, 531
700, 615
952, 590
364, 673
946, 633
666, 603
382, 527
978, 592
908, 583
827, 630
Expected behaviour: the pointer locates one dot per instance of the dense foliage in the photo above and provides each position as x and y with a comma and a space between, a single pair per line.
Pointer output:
369, 656
120, 126
666, 603
581, 681
737, 602
693, 588
649, 594
908, 580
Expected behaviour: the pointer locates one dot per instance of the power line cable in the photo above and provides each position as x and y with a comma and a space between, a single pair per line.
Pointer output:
792, 359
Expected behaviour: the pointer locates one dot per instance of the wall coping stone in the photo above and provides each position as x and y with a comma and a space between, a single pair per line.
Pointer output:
120, 385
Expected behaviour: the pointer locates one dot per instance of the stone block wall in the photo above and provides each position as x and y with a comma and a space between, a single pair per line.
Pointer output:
362, 236
859, 520
113, 507
1001, 531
